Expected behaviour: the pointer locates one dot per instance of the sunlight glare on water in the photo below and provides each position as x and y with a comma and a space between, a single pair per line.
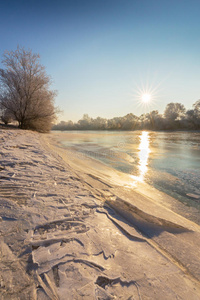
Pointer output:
167, 161
143, 155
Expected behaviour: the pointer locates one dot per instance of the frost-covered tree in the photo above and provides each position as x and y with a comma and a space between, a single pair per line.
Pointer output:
196, 106
6, 117
85, 122
174, 111
193, 116
129, 122
25, 90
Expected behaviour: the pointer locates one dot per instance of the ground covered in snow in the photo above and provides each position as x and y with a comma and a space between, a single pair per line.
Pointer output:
67, 234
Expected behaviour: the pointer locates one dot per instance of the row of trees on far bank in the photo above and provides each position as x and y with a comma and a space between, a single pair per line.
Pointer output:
25, 94
175, 117
26, 97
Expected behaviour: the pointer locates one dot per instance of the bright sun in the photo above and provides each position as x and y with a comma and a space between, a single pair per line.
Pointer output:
146, 98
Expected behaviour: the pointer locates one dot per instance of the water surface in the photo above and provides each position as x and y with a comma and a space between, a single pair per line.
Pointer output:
169, 161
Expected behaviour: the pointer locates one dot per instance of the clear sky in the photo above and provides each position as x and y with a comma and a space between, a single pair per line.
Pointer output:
102, 53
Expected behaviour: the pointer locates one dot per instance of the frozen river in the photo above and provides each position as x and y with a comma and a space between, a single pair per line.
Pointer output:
169, 161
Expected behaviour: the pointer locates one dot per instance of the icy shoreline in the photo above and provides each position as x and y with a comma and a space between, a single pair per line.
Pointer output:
68, 234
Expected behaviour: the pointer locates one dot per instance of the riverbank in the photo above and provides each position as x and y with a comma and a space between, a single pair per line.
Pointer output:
70, 233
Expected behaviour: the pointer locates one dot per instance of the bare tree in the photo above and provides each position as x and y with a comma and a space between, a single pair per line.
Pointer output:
25, 90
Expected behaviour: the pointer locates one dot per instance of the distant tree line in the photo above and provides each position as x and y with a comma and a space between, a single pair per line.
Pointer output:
175, 117
25, 94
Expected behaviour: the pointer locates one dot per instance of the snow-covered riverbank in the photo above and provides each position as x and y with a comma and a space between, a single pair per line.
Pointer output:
67, 234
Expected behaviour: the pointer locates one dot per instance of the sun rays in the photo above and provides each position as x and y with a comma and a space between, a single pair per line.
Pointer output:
145, 95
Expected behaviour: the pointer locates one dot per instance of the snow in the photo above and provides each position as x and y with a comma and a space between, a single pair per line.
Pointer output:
68, 235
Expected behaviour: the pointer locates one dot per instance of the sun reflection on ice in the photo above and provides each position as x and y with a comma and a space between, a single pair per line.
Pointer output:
143, 156
144, 153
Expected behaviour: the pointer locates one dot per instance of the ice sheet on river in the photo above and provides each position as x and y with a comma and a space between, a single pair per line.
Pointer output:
68, 235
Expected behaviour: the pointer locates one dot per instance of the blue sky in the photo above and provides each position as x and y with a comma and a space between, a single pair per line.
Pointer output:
103, 54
